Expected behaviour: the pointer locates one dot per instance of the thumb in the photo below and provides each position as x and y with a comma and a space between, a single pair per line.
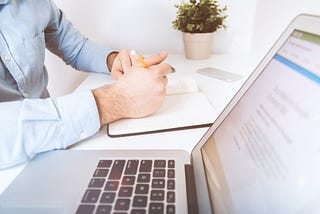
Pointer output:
156, 58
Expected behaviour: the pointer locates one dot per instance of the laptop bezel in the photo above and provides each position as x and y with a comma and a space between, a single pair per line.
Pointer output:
302, 22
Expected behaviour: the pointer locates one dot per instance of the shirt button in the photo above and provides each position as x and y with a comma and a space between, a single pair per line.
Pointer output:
7, 57
83, 135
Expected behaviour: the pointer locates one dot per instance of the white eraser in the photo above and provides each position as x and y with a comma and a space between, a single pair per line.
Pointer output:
132, 52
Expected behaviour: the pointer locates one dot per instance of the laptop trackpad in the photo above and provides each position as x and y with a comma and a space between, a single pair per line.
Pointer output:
54, 183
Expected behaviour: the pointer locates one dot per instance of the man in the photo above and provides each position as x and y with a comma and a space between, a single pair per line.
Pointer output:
31, 122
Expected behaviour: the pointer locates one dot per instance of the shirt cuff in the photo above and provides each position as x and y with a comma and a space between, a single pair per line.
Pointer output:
93, 58
80, 116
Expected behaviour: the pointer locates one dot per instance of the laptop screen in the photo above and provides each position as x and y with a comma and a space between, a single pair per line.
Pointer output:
265, 156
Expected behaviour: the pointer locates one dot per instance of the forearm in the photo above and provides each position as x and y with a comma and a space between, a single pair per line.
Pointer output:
109, 103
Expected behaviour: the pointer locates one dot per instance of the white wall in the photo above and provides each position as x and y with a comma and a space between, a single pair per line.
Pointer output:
147, 26
143, 25
273, 16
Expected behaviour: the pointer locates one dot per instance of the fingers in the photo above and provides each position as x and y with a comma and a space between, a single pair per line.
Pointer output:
125, 60
116, 75
162, 69
156, 58
121, 64
165, 80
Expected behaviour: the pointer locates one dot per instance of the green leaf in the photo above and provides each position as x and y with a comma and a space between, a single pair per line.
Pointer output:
199, 16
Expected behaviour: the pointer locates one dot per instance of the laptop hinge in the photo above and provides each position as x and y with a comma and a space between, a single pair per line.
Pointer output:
191, 190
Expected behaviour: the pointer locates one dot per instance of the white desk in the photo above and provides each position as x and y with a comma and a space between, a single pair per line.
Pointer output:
218, 92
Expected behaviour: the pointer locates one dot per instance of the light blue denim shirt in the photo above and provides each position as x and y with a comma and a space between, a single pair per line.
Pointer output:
30, 121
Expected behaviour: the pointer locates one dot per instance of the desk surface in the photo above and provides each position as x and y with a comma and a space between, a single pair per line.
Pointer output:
218, 92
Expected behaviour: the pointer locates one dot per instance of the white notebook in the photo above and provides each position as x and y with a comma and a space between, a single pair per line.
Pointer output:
184, 107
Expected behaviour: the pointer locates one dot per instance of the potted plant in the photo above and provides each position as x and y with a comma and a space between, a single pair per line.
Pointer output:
198, 20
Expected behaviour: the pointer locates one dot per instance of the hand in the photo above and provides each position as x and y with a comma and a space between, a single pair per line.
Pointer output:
138, 93
123, 62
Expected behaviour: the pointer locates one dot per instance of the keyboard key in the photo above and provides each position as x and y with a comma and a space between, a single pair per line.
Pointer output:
159, 173
144, 178
145, 166
156, 208
96, 182
104, 163
116, 169
104, 209
91, 196
171, 164
125, 191
171, 209
159, 164
107, 197
122, 204
171, 173
140, 201
85, 209
131, 168
142, 189
158, 183
138, 211
128, 180
171, 198
100, 172
157, 195
171, 184
111, 185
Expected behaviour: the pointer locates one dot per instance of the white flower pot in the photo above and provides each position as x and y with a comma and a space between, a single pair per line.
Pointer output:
197, 45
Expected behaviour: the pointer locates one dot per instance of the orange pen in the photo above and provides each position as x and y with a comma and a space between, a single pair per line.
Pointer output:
139, 58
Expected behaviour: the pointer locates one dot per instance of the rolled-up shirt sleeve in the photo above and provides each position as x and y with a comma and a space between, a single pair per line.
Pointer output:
33, 126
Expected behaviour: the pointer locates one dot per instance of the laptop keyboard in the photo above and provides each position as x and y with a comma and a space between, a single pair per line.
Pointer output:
131, 186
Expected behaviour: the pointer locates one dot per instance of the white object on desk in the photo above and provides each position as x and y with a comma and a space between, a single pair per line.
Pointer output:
183, 108
181, 85
219, 74
183, 111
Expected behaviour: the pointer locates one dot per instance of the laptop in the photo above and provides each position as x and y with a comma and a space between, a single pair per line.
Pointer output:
261, 155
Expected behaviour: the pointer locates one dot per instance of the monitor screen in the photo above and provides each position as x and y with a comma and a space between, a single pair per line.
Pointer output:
265, 156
